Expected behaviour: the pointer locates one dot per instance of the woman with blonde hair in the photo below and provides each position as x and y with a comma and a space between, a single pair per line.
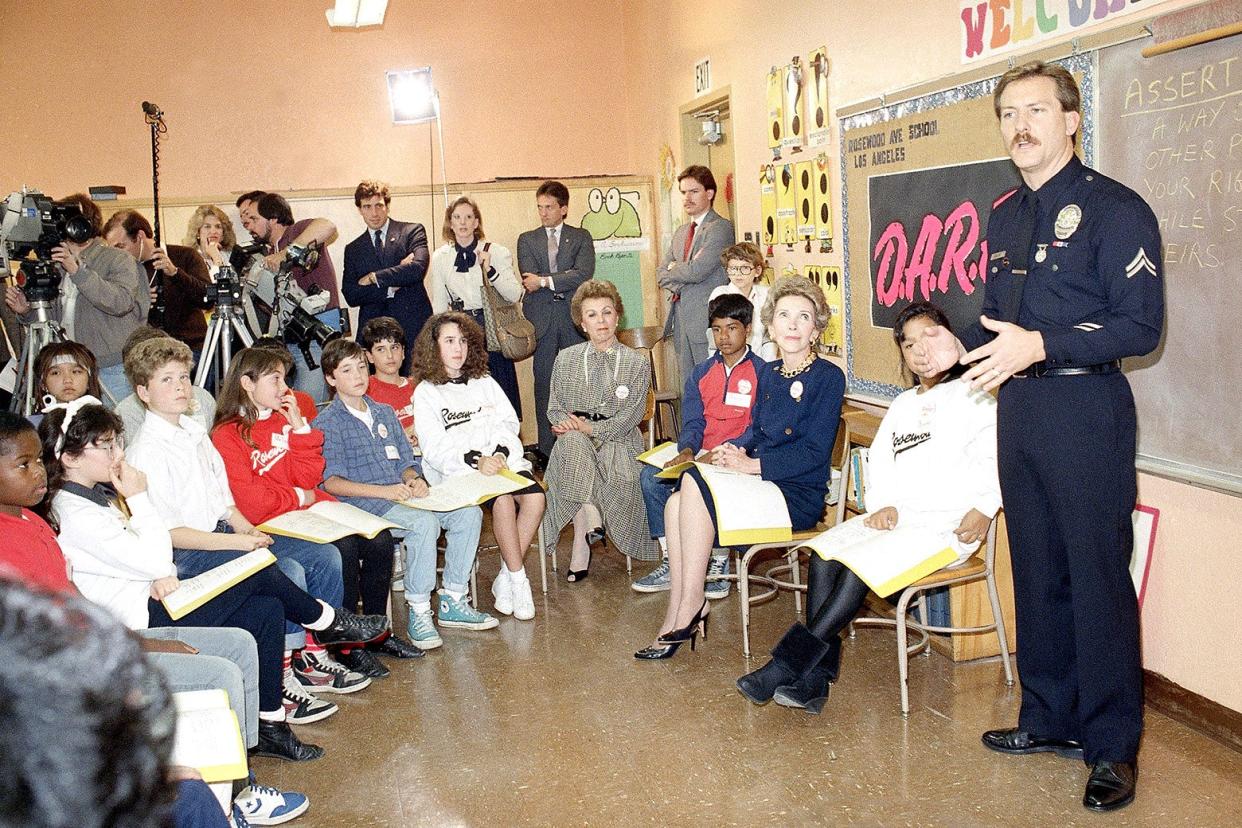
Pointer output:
598, 398
210, 232
457, 270
793, 427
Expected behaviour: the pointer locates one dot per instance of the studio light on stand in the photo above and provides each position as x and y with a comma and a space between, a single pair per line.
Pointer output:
414, 100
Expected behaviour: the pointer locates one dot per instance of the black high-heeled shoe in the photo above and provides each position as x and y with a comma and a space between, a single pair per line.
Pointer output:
656, 652
573, 576
595, 536
697, 625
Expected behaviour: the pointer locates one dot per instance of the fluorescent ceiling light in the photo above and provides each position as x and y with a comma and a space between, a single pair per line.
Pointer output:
412, 96
354, 14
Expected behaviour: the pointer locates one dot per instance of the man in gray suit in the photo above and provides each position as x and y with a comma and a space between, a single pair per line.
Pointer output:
554, 261
691, 268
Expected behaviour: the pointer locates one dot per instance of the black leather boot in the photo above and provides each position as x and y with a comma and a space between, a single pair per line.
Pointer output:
809, 690
798, 649
278, 739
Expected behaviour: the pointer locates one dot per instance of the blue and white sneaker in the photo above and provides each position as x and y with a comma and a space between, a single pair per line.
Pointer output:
422, 630
454, 613
657, 580
716, 587
264, 805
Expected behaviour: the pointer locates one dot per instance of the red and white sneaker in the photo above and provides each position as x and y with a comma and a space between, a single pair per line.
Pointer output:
301, 707
319, 673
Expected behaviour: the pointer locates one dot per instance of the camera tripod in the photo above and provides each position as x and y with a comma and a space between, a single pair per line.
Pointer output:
218, 344
42, 331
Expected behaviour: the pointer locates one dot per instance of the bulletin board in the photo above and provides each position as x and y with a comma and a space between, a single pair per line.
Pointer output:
919, 179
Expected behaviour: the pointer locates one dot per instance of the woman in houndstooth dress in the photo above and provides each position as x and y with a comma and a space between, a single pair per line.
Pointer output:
599, 396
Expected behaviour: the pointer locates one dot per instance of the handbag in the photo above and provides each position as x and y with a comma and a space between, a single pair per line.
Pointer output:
508, 331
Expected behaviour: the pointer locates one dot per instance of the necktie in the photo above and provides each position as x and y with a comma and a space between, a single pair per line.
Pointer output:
685, 253
378, 240
553, 247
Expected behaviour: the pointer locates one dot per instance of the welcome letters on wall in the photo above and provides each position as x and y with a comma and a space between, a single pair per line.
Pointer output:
991, 27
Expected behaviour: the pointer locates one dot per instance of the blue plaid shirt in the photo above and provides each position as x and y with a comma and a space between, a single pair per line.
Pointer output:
356, 453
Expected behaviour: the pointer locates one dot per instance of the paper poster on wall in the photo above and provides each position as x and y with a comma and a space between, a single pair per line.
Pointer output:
919, 180
621, 267
823, 200
804, 198
613, 219
818, 132
767, 202
834, 335
993, 28
786, 206
927, 237
775, 99
792, 106
668, 209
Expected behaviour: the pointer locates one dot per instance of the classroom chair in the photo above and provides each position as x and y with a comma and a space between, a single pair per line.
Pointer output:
646, 340
976, 567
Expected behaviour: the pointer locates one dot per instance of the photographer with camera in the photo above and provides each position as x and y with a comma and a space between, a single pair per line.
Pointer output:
269, 218
104, 299
177, 277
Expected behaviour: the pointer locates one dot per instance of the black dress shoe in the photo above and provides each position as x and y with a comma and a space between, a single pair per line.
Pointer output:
278, 739
1019, 742
348, 628
395, 647
1110, 786
360, 660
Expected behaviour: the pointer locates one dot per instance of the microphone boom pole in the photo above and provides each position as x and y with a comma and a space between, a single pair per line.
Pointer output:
155, 119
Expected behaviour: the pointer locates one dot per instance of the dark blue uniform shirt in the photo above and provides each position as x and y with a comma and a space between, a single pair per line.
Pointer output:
1094, 284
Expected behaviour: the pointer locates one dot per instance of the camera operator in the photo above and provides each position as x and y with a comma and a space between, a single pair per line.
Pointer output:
269, 218
182, 271
101, 303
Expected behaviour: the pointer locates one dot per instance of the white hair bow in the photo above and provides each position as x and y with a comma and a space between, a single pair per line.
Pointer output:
71, 409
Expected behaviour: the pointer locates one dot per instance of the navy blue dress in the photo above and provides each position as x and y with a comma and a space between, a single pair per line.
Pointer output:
793, 430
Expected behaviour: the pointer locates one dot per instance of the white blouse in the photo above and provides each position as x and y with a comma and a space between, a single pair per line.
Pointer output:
446, 283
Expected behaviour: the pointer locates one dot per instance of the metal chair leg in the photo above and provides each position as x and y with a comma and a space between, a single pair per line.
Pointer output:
999, 620
903, 652
543, 563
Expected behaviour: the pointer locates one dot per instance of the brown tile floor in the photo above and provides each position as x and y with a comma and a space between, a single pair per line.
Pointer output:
552, 722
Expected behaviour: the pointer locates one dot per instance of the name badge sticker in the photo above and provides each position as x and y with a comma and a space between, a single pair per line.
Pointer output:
392, 452
739, 400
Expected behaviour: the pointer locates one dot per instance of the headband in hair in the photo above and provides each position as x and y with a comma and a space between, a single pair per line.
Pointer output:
71, 409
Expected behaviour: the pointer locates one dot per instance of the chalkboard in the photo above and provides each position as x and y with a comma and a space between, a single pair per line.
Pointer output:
1170, 127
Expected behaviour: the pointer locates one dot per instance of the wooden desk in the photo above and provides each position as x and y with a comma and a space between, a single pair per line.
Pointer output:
968, 603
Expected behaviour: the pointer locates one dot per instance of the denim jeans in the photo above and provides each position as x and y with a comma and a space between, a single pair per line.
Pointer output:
227, 660
114, 382
421, 530
316, 568
656, 492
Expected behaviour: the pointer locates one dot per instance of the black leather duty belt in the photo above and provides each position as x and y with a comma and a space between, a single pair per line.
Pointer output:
1042, 369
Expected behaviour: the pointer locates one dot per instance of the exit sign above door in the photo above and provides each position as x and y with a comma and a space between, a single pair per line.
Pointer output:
702, 76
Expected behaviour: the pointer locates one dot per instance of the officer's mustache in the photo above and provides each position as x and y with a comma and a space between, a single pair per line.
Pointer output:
1024, 137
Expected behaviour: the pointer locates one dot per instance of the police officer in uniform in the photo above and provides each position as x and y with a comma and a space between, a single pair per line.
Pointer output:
1074, 284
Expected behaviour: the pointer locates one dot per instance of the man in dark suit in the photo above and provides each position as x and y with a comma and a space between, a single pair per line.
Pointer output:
385, 266
182, 272
554, 261
691, 268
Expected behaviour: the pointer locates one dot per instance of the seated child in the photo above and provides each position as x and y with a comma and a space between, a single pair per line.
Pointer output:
466, 423
383, 339
215, 658
65, 371
273, 460
202, 406
932, 464
371, 465
121, 557
715, 408
743, 264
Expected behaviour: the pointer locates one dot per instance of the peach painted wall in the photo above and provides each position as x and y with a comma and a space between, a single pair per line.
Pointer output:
1190, 632
262, 94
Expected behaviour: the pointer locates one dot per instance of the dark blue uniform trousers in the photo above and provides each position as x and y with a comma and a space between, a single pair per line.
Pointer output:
1066, 450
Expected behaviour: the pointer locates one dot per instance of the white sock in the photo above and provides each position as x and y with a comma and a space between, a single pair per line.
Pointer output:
272, 715
420, 607
324, 620
456, 596
663, 541
518, 577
